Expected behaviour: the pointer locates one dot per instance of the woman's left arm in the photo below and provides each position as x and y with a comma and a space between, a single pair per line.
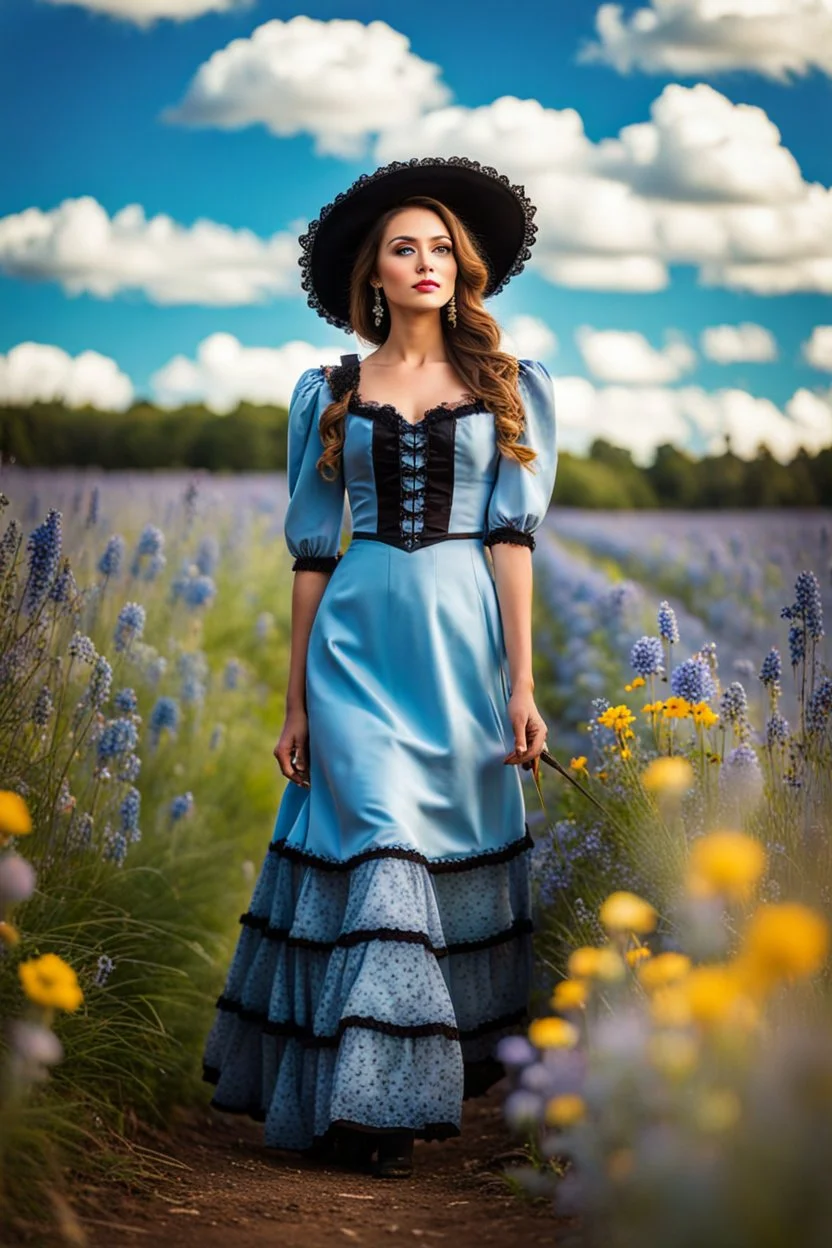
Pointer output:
513, 580
516, 509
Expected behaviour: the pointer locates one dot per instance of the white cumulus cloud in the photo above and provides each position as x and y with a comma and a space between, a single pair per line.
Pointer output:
733, 344
818, 350
642, 418
338, 80
686, 38
528, 338
78, 245
38, 372
704, 182
146, 12
627, 357
225, 373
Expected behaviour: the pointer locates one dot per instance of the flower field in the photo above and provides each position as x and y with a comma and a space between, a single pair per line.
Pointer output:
676, 1086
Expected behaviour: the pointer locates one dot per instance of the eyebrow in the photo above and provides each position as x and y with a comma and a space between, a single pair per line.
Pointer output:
410, 238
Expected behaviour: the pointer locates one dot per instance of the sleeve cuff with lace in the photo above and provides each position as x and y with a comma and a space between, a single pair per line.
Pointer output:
514, 537
315, 563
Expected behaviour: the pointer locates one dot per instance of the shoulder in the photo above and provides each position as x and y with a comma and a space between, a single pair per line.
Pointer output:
532, 370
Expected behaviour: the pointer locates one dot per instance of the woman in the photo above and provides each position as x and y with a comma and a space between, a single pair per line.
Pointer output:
387, 946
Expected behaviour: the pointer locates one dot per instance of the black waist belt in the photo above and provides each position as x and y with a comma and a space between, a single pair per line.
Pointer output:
411, 543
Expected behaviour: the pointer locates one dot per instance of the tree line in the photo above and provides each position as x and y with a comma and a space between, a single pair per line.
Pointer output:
253, 438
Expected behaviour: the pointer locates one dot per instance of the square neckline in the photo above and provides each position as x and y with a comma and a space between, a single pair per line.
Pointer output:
465, 405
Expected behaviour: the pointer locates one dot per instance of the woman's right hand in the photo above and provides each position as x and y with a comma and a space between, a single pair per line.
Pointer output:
292, 749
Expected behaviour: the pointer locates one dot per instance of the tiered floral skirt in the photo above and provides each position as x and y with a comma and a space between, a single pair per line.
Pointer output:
387, 944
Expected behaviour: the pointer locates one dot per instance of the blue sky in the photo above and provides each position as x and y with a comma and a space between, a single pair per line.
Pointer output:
721, 223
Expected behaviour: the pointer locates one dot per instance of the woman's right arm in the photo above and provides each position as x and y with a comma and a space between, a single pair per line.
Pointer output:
312, 530
292, 749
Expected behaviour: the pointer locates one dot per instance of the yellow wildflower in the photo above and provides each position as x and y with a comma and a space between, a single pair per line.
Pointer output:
669, 1006
669, 774
676, 708
579, 763
713, 992
729, 862
639, 954
590, 962
565, 1110
786, 941
9, 934
637, 682
15, 819
569, 994
625, 753
625, 912
617, 717
703, 715
674, 1053
50, 981
665, 968
552, 1033
652, 708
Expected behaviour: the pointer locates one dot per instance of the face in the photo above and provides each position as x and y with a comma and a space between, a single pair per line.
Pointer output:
416, 247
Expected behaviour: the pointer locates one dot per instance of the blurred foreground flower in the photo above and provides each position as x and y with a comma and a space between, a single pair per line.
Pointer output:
15, 819
625, 912
726, 862
51, 982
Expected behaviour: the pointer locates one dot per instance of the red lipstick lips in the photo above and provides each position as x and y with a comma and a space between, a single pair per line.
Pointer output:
426, 285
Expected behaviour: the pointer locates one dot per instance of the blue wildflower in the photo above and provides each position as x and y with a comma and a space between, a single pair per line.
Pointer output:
692, 680
105, 968
118, 737
193, 668
181, 806
151, 542
216, 736
771, 669
110, 562
44, 547
231, 676
129, 626
63, 588
42, 708
668, 626
208, 555
809, 604
82, 648
819, 707
164, 717
125, 700
129, 814
199, 590
155, 564
733, 706
129, 768
80, 831
189, 498
115, 846
740, 777
797, 644
264, 624
98, 690
9, 545
646, 657
92, 510
777, 730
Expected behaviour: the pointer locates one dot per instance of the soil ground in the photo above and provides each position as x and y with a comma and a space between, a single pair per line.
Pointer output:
224, 1189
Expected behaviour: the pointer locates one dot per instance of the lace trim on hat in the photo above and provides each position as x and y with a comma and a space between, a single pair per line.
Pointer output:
307, 239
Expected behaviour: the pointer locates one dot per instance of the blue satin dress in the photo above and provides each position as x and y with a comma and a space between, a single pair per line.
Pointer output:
387, 944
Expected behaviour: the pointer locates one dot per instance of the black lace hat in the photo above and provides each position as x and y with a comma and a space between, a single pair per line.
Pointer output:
497, 213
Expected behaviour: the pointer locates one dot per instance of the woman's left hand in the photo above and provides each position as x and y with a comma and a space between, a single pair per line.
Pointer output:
529, 728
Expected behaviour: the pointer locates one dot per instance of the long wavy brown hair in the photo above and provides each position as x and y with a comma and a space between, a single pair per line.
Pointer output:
472, 346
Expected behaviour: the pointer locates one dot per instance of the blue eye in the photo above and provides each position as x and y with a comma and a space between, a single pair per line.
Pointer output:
406, 247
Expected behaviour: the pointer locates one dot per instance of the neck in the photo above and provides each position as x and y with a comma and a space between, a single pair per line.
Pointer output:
414, 339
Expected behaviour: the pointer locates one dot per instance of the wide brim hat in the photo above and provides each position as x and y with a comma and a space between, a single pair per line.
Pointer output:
498, 215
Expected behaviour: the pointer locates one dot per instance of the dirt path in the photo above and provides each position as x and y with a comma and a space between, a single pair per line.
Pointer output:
225, 1189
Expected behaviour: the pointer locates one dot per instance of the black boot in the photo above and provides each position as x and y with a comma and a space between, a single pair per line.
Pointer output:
354, 1149
395, 1155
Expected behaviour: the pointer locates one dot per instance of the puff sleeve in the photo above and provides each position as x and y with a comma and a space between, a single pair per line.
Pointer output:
315, 513
520, 496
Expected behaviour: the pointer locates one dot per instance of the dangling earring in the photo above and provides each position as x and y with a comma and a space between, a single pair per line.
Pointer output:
378, 309
451, 305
